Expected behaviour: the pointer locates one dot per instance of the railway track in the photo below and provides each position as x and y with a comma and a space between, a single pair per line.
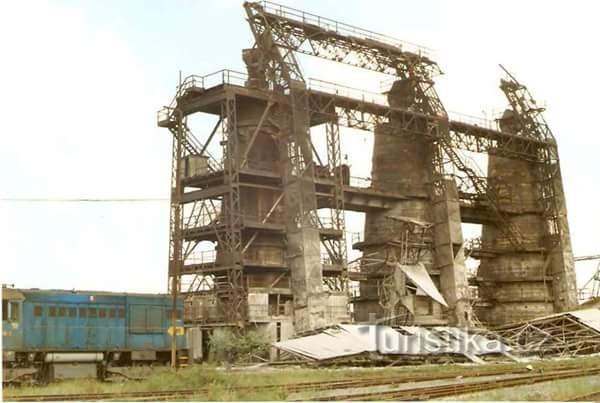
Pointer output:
588, 397
454, 389
287, 388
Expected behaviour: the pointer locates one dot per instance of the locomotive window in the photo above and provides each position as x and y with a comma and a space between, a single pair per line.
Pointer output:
72, 312
102, 313
14, 311
4, 309
112, 313
62, 311
82, 312
52, 311
92, 312
37, 310
121, 312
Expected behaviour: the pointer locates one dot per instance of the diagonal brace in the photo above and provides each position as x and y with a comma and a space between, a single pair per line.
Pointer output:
255, 134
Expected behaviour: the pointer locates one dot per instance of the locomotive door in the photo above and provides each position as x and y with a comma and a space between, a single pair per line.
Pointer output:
61, 327
72, 324
79, 332
35, 335
91, 329
12, 328
103, 330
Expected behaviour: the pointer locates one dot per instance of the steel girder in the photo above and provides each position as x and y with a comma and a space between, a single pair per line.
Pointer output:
297, 31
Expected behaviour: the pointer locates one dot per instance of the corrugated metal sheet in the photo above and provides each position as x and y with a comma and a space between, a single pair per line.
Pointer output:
331, 343
348, 340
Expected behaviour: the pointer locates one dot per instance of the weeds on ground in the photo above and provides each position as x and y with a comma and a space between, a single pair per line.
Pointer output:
231, 347
559, 390
218, 381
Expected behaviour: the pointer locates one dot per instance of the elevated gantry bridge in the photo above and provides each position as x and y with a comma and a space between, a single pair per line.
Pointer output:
273, 210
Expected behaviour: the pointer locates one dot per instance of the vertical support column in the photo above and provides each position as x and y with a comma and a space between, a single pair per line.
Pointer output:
303, 237
176, 229
449, 254
259, 146
231, 289
334, 161
525, 117
399, 166
411, 165
562, 267
515, 282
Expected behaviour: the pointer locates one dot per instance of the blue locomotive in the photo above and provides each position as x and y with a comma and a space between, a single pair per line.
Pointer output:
56, 334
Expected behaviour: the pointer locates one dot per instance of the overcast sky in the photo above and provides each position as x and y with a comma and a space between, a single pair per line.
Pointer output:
81, 81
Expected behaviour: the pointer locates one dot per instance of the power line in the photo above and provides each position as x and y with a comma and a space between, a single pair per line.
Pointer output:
82, 200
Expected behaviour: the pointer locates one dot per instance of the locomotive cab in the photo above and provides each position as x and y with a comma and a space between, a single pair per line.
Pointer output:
14, 359
12, 329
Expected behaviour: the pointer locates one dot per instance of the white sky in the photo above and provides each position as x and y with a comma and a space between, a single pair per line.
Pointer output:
80, 83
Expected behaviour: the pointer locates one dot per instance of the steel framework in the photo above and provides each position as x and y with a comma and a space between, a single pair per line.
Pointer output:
288, 30
292, 105
336, 246
219, 213
560, 334
591, 289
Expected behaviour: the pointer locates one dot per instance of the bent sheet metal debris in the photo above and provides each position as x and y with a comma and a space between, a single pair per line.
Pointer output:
349, 340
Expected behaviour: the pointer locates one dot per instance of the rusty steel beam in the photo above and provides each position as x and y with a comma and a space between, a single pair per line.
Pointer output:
298, 31
366, 115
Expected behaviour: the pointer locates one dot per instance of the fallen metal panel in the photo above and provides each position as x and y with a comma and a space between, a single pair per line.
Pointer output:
349, 340
429, 342
418, 274
386, 340
473, 345
331, 343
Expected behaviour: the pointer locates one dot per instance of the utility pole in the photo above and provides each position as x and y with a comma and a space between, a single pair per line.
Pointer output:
176, 258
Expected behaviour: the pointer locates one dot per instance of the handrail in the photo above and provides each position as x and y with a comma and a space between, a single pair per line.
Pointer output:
348, 92
473, 120
360, 182
357, 237
329, 87
342, 28
164, 114
219, 77
234, 77
208, 256
212, 218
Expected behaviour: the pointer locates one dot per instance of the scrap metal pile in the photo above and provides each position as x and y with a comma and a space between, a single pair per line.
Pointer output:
399, 345
563, 334
567, 333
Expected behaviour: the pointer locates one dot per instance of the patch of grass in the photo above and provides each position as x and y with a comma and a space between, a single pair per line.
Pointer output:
219, 381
